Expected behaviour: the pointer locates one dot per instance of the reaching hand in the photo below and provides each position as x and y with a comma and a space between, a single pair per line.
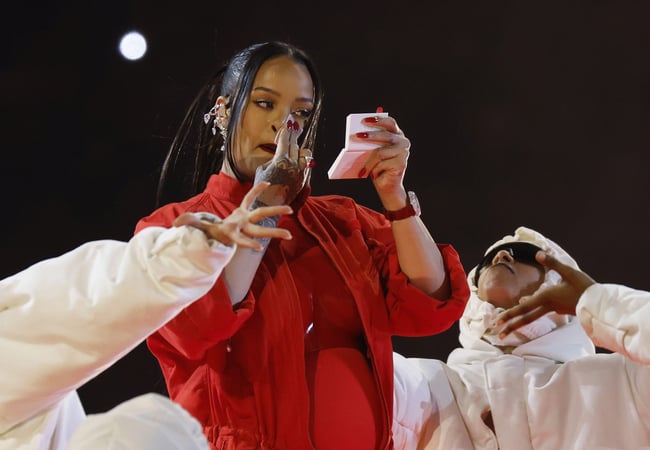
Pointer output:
561, 298
240, 226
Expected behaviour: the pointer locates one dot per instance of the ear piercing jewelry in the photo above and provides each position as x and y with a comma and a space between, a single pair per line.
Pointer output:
218, 120
208, 115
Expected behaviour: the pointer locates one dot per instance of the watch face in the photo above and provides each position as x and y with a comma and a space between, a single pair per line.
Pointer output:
411, 209
413, 199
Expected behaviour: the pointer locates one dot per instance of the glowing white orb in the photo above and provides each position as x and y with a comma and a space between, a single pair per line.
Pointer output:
133, 45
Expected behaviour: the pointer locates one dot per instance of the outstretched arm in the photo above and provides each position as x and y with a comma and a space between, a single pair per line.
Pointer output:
66, 319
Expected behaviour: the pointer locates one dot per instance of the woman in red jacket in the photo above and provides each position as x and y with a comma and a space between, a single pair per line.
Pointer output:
292, 347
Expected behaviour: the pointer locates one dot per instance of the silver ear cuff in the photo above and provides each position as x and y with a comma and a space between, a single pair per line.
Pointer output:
210, 114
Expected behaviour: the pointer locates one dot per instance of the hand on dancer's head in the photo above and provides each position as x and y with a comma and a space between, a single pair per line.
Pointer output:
561, 298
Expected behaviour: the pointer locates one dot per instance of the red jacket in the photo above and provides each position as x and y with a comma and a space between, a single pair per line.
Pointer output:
240, 371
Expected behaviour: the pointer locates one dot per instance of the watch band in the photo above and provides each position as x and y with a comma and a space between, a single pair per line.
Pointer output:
411, 209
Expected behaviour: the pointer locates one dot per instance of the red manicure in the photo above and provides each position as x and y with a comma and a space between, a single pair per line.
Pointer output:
289, 124
362, 135
379, 110
311, 163
372, 119
296, 127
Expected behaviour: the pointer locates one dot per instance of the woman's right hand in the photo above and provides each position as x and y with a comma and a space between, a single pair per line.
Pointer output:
240, 227
288, 172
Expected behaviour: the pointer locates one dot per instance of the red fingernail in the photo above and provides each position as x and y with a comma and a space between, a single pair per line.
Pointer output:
362, 135
362, 173
289, 124
379, 110
372, 119
296, 127
311, 163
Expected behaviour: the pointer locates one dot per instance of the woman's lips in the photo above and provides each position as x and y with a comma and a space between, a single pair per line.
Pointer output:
270, 148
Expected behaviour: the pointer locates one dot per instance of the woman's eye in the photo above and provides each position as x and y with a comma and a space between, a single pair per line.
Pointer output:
266, 104
304, 113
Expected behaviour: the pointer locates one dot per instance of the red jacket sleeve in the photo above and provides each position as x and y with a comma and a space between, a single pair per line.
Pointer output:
411, 311
210, 319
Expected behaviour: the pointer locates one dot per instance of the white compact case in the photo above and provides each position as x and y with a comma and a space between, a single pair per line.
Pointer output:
354, 155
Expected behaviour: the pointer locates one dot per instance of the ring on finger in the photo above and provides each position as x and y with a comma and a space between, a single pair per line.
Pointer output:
208, 217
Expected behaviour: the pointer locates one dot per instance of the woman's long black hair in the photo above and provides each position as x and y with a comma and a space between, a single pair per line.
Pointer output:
195, 153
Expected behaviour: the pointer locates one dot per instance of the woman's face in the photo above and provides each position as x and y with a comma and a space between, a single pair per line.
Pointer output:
506, 280
282, 86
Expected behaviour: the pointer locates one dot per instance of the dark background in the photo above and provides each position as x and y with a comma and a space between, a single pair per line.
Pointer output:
518, 114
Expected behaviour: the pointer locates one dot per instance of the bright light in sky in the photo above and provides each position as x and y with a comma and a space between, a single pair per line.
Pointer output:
133, 45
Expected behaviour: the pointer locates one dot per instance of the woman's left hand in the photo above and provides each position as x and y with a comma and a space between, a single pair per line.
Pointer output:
387, 164
290, 168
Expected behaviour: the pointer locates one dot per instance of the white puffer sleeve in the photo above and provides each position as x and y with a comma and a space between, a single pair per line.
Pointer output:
617, 318
66, 319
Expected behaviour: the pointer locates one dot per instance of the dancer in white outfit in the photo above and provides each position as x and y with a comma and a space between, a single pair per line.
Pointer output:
66, 319
541, 386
